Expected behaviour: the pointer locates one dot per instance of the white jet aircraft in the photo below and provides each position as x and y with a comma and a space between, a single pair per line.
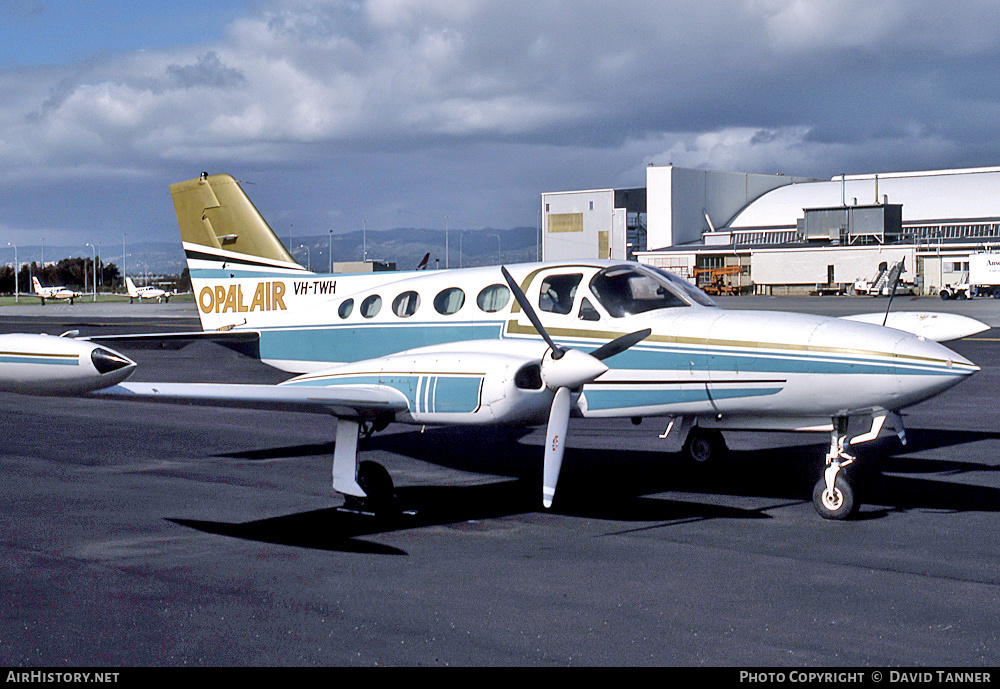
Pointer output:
58, 292
147, 292
534, 345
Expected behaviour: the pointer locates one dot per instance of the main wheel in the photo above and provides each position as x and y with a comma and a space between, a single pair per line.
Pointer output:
705, 447
376, 482
838, 504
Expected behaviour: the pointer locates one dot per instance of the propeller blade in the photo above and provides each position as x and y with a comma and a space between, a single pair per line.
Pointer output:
555, 443
519, 295
620, 344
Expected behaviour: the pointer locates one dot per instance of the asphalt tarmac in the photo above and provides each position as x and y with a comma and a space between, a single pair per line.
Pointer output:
161, 535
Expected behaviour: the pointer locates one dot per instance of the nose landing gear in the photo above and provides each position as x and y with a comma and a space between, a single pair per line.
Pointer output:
833, 494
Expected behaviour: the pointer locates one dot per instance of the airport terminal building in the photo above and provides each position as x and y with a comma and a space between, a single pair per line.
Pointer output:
774, 234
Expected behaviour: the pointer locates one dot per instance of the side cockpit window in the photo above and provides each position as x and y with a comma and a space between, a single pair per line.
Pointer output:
558, 292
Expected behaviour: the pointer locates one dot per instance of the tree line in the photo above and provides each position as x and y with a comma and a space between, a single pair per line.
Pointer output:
76, 273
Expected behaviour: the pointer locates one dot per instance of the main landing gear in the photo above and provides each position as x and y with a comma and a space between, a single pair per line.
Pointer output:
705, 447
366, 486
380, 493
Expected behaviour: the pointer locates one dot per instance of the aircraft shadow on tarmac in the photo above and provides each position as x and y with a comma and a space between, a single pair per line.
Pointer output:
613, 485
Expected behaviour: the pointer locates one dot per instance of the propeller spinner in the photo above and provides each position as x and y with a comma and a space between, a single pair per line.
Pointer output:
564, 370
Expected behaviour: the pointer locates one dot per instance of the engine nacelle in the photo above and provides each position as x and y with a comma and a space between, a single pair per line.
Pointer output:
452, 387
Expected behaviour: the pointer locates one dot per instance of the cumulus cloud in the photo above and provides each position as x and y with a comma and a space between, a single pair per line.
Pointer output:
804, 88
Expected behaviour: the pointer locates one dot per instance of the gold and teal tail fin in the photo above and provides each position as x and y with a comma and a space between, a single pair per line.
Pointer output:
221, 228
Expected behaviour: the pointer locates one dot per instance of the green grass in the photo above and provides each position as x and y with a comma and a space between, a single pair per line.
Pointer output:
31, 300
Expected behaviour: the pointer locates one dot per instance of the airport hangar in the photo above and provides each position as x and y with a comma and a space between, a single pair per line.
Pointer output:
775, 234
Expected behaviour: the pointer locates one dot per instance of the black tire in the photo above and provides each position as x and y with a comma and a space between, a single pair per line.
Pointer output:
705, 447
840, 505
377, 484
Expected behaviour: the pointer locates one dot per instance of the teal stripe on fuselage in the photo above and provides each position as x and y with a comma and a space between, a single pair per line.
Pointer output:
683, 358
601, 399
39, 359
356, 342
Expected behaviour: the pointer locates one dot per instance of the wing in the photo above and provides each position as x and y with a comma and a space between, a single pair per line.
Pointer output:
350, 401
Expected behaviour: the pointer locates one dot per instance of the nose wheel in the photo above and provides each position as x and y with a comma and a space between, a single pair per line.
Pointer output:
833, 494
836, 503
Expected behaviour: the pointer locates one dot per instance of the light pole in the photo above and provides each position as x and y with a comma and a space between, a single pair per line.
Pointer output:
308, 256
498, 248
446, 252
16, 289
331, 251
93, 252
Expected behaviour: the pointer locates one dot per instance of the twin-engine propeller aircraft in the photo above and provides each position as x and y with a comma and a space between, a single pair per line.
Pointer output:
535, 344
58, 292
147, 292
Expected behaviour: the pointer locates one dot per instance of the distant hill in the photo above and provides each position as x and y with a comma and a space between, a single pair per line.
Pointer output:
407, 246
404, 246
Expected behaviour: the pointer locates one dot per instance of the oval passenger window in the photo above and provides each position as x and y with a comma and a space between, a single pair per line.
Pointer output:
449, 301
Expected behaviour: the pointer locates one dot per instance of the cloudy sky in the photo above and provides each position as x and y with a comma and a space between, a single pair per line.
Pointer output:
427, 113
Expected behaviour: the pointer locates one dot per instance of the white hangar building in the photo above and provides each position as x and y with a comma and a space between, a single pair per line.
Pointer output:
773, 234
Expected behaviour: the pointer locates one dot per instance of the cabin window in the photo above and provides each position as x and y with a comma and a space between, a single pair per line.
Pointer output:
587, 311
346, 307
449, 301
493, 298
371, 306
558, 292
406, 304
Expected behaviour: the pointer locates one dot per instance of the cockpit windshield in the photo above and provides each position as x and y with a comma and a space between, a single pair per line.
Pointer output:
693, 293
632, 289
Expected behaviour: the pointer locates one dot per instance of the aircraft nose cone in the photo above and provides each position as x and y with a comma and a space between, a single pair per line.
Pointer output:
925, 368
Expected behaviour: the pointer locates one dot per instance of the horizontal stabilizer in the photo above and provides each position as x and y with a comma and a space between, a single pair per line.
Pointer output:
938, 327
340, 400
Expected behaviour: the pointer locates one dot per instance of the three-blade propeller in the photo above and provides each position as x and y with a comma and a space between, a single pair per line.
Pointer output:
564, 370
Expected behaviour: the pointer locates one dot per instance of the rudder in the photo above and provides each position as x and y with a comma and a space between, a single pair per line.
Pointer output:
219, 225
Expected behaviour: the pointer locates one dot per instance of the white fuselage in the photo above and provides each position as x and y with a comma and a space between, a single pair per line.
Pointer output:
454, 343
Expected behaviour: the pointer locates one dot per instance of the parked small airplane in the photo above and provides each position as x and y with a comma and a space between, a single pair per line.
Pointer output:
58, 292
147, 292
535, 344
